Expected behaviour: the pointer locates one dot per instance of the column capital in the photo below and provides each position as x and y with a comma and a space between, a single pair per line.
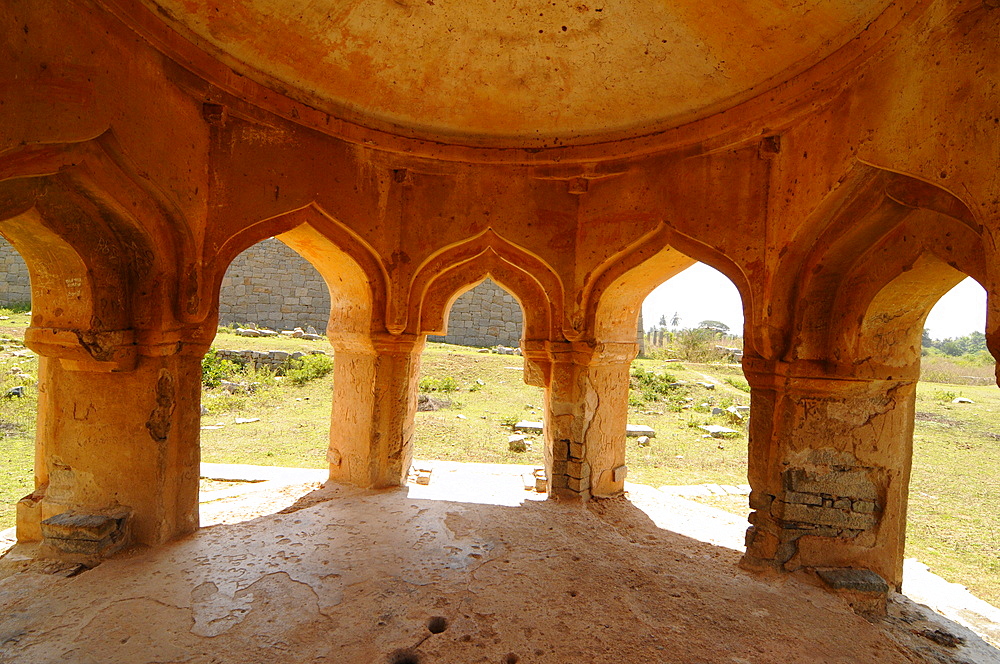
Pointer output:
821, 377
381, 343
114, 350
580, 352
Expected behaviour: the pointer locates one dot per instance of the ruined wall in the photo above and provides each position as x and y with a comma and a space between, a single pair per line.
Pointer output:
487, 315
15, 286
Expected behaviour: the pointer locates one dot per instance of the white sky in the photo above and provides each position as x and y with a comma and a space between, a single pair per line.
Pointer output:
703, 293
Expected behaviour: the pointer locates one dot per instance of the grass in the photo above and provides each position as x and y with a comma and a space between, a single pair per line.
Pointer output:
953, 520
17, 415
954, 510
489, 395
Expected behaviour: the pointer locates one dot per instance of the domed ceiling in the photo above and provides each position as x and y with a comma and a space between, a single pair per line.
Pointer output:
519, 69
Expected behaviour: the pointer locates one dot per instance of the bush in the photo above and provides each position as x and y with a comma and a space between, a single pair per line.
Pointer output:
649, 386
739, 383
944, 395
214, 369
509, 420
446, 384
310, 367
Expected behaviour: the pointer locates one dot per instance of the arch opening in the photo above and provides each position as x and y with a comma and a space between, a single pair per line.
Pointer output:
472, 391
689, 387
269, 389
18, 375
932, 320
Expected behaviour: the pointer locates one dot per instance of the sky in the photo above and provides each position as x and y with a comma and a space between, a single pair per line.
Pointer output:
703, 293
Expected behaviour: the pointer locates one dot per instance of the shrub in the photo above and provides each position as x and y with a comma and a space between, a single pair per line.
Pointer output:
215, 369
446, 384
739, 383
649, 386
509, 420
944, 395
310, 367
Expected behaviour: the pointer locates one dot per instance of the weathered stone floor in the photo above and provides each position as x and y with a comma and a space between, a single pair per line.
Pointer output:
419, 575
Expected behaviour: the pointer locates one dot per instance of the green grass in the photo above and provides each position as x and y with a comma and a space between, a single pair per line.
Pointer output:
954, 509
476, 426
17, 416
953, 522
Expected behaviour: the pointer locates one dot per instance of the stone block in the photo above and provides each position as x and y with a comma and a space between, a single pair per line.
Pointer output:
802, 498
822, 516
85, 534
579, 485
864, 506
578, 469
760, 500
619, 473
841, 483
528, 426
862, 580
72, 525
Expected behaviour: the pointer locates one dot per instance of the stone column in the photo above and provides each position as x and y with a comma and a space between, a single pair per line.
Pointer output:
586, 412
829, 469
374, 402
118, 434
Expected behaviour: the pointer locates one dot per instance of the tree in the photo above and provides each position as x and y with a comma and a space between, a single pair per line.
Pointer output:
716, 325
926, 341
663, 321
676, 320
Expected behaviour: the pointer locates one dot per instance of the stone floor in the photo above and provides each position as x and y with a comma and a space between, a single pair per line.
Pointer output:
465, 569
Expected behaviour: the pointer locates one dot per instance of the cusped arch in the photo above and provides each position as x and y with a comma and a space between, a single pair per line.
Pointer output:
891, 289
354, 275
93, 197
440, 280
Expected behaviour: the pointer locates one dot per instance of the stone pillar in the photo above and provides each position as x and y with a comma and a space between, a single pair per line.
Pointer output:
829, 467
586, 413
118, 433
374, 403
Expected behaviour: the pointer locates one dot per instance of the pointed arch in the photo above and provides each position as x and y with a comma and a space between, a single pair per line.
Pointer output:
98, 201
878, 226
614, 293
444, 276
354, 274
94, 203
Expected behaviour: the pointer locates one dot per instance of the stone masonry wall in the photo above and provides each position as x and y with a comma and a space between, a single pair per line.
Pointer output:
15, 288
487, 315
271, 285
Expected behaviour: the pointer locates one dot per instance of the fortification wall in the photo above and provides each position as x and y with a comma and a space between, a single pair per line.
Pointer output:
15, 287
487, 315
271, 285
